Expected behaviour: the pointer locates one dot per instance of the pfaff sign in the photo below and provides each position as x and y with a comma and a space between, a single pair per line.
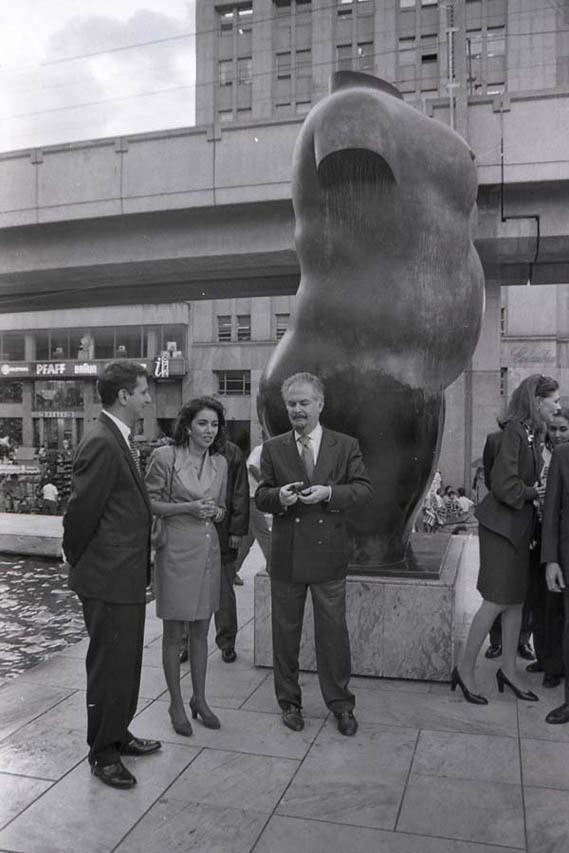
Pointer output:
161, 367
51, 368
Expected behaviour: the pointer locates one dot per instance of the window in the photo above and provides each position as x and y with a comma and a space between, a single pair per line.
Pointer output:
235, 63
292, 56
11, 392
486, 47
12, 346
365, 56
303, 63
53, 395
283, 66
13, 428
225, 72
244, 69
281, 325
236, 383
243, 327
344, 57
224, 328
502, 320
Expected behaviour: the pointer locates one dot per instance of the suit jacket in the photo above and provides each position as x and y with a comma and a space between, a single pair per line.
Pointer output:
106, 526
309, 543
555, 526
508, 507
236, 519
491, 448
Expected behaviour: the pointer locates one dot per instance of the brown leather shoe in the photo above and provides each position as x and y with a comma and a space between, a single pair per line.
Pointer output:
116, 775
347, 723
292, 718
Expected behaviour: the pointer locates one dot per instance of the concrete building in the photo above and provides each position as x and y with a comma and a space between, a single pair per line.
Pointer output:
204, 213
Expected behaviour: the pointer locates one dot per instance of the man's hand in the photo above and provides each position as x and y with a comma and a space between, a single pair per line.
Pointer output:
234, 542
541, 487
554, 577
288, 495
315, 494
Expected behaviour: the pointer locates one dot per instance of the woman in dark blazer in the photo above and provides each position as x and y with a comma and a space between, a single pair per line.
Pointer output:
507, 518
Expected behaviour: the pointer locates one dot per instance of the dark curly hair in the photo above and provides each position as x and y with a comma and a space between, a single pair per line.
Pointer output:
187, 414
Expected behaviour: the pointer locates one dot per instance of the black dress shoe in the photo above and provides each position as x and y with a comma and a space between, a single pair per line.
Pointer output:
292, 718
558, 715
526, 695
551, 680
525, 651
139, 746
237, 581
183, 654
116, 775
534, 667
456, 681
229, 655
493, 652
347, 723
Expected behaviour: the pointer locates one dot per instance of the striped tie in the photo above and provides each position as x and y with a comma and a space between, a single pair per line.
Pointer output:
307, 455
134, 453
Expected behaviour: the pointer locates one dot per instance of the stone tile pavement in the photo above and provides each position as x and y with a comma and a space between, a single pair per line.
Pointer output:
426, 773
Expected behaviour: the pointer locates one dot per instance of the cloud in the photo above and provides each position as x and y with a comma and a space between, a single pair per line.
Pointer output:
103, 76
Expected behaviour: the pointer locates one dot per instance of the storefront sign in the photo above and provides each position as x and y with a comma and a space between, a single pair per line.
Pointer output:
51, 414
161, 367
14, 369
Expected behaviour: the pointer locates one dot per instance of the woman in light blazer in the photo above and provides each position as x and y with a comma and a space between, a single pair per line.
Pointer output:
187, 483
507, 523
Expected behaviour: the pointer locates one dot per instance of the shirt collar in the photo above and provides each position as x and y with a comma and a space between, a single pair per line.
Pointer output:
315, 435
124, 429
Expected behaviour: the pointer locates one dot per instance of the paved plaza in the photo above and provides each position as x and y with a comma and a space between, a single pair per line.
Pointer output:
426, 773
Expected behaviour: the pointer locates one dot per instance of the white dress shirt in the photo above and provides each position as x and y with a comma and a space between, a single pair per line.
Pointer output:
124, 429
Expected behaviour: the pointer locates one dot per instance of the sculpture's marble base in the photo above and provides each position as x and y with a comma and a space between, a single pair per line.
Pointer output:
400, 627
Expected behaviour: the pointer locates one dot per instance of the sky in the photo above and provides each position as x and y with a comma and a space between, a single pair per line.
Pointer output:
50, 92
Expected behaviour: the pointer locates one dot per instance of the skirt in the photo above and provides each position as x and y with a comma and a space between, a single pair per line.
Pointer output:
504, 569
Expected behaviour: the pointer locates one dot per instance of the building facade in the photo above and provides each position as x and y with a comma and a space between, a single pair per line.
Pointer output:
214, 202
49, 362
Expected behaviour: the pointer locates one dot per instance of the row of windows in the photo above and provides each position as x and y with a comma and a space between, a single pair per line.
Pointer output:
47, 394
238, 328
418, 55
67, 395
104, 343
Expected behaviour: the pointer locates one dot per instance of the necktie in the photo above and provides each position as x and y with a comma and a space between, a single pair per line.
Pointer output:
134, 453
307, 456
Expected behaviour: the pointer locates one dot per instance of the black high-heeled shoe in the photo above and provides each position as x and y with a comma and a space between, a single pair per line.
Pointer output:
527, 695
209, 719
184, 728
475, 698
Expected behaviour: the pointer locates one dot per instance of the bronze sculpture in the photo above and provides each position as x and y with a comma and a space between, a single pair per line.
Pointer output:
391, 295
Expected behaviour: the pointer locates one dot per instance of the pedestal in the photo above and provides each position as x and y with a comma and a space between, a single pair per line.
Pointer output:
400, 627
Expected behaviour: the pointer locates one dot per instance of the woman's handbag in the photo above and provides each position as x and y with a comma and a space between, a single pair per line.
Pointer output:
159, 530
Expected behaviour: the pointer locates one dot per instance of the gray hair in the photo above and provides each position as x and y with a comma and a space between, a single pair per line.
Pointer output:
308, 379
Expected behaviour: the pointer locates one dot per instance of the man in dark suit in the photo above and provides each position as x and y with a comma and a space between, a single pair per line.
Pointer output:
310, 477
555, 553
231, 530
106, 541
